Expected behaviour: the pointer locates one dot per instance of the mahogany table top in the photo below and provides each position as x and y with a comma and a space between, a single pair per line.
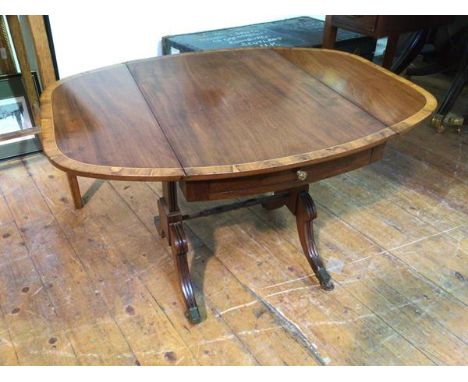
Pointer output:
222, 114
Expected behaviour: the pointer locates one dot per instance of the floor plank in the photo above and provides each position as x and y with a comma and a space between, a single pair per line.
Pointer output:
8, 354
33, 326
244, 245
100, 242
82, 316
376, 275
268, 342
406, 229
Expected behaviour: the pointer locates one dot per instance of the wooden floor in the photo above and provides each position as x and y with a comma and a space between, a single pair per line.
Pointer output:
97, 286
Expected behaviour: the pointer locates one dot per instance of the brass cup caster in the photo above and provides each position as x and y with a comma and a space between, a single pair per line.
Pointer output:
441, 122
437, 123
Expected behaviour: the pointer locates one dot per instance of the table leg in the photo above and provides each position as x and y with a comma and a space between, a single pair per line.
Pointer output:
329, 34
168, 209
179, 249
303, 207
75, 191
440, 118
390, 49
171, 227
414, 47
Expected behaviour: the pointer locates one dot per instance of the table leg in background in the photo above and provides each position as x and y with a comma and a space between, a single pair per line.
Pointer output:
75, 190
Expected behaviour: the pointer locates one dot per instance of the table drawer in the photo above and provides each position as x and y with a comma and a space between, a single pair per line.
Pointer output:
277, 181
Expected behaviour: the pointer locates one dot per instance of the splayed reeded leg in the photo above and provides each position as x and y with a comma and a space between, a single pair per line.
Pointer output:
179, 249
303, 207
171, 227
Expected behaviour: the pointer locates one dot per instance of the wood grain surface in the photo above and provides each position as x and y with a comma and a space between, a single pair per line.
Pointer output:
397, 102
98, 124
225, 113
244, 107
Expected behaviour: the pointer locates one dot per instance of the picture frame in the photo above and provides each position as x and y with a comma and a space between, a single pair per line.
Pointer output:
14, 115
18, 135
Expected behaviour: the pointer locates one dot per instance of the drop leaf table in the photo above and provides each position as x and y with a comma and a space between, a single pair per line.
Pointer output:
228, 124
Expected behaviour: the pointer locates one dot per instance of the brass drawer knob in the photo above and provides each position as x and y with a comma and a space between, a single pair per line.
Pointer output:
301, 175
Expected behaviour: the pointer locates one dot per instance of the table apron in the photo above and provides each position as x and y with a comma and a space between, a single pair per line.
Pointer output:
216, 189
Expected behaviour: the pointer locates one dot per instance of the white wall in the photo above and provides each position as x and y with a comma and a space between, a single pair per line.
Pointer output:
92, 40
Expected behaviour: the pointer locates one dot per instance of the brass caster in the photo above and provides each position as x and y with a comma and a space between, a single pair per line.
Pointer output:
455, 121
441, 122
437, 123
193, 315
325, 280
328, 285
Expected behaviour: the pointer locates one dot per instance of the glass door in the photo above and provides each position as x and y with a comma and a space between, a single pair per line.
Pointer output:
18, 133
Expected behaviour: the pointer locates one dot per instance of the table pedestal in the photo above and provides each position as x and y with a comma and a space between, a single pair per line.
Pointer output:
297, 200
